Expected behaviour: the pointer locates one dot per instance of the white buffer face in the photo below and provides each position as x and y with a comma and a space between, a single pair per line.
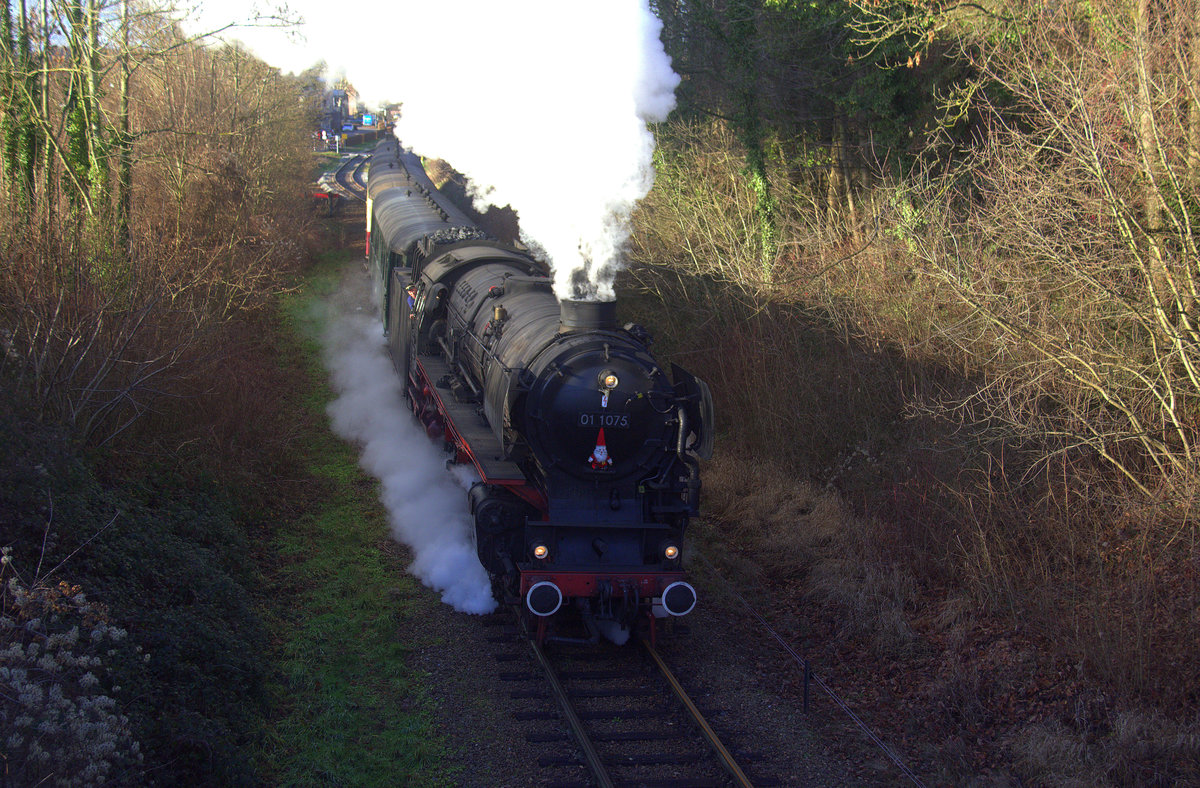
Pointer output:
544, 599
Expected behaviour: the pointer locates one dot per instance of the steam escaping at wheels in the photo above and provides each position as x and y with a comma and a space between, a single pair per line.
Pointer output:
613, 631
425, 504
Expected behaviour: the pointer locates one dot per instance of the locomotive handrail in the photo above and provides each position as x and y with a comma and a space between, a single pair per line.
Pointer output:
447, 348
470, 335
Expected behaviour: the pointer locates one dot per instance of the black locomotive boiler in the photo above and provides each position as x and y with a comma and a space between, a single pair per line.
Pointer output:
587, 450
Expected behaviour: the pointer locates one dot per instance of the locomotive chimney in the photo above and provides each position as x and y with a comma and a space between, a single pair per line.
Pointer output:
587, 316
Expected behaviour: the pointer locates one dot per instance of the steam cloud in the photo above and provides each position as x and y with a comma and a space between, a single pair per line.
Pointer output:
544, 105
426, 505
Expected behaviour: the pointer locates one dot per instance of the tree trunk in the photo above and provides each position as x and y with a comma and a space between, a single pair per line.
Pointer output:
741, 17
839, 197
97, 168
47, 180
28, 142
124, 142
1193, 94
1158, 277
8, 151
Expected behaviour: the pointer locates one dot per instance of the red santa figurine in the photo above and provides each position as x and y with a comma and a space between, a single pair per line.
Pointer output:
599, 458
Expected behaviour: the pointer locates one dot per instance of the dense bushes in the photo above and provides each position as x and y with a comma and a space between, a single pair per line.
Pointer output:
61, 724
160, 562
981, 329
143, 239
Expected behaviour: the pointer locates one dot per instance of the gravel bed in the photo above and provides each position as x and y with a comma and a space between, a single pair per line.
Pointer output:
726, 665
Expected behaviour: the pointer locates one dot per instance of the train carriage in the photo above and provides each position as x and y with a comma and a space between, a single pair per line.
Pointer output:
404, 209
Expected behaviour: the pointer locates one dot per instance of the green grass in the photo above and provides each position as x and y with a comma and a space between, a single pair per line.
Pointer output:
349, 709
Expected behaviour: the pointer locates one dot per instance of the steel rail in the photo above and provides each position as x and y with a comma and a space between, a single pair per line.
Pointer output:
603, 780
346, 180
360, 173
706, 731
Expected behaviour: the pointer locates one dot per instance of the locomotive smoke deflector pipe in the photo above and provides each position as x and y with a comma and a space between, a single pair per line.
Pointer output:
586, 316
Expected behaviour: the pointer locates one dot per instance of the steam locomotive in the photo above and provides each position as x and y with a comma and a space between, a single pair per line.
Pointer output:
586, 450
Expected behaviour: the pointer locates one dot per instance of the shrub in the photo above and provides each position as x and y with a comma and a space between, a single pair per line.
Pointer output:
60, 722
172, 569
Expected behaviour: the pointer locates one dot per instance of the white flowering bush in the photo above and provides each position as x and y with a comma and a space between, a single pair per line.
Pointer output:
59, 724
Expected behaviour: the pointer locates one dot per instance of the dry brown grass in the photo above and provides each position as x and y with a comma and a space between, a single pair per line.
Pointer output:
864, 470
1118, 747
793, 532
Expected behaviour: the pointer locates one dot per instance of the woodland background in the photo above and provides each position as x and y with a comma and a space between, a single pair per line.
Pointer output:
156, 207
938, 259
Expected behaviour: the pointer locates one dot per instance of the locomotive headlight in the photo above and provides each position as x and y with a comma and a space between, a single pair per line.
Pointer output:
541, 552
671, 552
609, 381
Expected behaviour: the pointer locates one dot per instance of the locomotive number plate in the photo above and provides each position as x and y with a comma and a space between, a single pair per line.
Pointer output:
608, 420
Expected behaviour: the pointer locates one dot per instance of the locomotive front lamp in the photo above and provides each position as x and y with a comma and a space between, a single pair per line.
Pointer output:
671, 552
609, 381
541, 552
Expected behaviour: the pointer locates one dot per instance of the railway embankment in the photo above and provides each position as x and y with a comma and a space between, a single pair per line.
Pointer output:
220, 606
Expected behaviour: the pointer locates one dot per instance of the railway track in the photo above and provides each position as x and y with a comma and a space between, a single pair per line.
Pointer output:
352, 178
360, 176
349, 181
611, 716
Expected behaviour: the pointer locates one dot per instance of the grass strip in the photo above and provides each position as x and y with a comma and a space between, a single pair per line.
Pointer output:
349, 710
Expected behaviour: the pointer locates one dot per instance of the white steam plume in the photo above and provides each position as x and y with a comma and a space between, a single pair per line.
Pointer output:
544, 105
427, 507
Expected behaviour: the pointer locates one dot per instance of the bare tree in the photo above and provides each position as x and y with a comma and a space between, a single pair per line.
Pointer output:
98, 317
1076, 255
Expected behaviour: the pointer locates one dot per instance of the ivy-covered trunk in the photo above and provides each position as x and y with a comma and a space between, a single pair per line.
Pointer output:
85, 145
124, 141
741, 18
9, 126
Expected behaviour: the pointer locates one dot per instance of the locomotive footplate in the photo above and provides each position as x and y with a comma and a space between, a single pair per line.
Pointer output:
473, 435
586, 584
